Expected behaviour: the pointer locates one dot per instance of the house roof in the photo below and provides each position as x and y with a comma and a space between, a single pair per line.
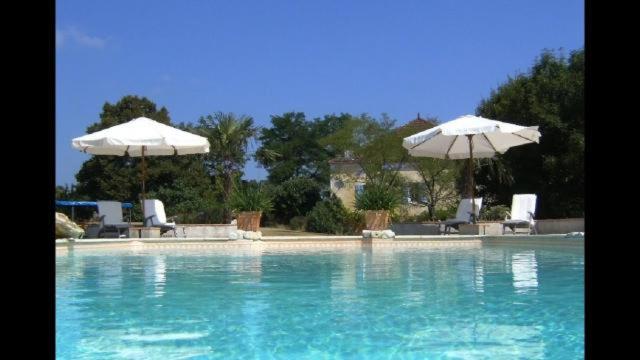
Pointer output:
415, 126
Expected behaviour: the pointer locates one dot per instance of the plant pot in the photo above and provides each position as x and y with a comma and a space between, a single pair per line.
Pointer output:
376, 219
249, 220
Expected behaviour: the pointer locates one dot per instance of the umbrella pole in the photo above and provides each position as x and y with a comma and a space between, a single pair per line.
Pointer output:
470, 181
143, 194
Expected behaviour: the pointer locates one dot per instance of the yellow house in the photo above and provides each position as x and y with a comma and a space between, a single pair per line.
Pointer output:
348, 178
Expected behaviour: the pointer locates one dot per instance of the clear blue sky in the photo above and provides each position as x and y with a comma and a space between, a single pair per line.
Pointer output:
259, 58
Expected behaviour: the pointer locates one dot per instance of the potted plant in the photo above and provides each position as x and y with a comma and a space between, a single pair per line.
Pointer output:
249, 203
378, 201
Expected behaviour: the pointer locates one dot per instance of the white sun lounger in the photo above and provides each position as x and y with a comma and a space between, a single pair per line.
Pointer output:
154, 215
523, 208
110, 214
463, 215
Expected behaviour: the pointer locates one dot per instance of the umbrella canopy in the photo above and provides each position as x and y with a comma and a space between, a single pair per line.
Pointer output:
451, 139
141, 137
130, 137
467, 137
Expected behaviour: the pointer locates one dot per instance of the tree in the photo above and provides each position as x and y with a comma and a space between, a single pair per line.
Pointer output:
229, 137
290, 147
118, 177
551, 96
373, 144
438, 176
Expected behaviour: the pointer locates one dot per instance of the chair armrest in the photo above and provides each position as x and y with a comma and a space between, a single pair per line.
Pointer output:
507, 215
148, 218
101, 219
472, 215
531, 215
172, 218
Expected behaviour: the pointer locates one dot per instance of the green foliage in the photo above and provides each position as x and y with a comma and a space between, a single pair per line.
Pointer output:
290, 147
119, 177
373, 144
298, 223
551, 96
447, 213
423, 217
353, 223
229, 136
402, 216
126, 109
378, 196
438, 180
496, 212
295, 197
327, 216
191, 200
251, 197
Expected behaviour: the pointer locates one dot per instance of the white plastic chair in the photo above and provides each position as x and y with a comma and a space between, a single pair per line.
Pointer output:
463, 215
110, 216
154, 215
523, 208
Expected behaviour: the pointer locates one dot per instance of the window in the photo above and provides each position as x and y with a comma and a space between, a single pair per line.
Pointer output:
407, 195
359, 187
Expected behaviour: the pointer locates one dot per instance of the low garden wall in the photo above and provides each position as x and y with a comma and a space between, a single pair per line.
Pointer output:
544, 226
203, 230
416, 229
559, 226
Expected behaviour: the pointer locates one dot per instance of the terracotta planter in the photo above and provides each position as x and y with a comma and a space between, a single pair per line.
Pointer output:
376, 219
249, 220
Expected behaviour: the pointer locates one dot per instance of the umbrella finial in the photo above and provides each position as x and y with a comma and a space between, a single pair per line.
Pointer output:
418, 116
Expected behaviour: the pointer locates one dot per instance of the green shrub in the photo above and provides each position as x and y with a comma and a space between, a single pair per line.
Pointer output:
378, 197
496, 212
251, 198
422, 217
447, 213
401, 215
295, 197
353, 223
327, 216
298, 223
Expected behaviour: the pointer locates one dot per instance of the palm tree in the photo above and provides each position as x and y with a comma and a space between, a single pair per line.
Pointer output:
229, 136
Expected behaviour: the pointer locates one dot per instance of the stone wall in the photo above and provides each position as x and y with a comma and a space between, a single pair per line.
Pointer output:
559, 226
203, 230
416, 229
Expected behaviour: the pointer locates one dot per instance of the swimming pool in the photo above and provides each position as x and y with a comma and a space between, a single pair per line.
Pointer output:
478, 302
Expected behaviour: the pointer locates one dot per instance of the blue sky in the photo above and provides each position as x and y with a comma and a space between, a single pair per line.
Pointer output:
260, 58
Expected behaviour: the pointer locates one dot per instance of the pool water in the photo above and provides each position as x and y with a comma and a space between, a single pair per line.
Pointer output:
483, 302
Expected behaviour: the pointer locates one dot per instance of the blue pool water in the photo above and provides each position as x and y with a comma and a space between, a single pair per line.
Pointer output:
489, 302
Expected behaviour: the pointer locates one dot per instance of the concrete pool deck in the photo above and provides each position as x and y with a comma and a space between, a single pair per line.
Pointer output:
317, 242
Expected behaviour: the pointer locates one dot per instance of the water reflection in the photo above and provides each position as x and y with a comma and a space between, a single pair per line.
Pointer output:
157, 273
525, 271
110, 273
479, 276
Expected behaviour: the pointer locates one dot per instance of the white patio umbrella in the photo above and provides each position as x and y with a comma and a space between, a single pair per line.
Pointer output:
467, 137
141, 137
